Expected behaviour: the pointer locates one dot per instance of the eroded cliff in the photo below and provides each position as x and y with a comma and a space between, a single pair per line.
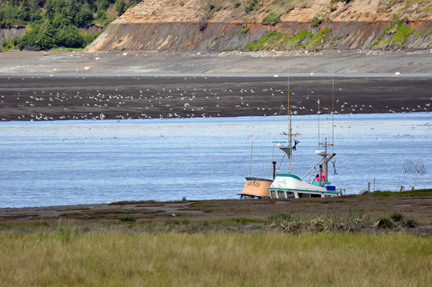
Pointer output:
218, 25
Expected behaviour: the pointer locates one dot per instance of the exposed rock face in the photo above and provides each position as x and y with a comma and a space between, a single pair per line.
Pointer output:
217, 25
10, 34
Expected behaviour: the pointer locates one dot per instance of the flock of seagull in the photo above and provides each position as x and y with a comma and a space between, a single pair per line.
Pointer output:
183, 101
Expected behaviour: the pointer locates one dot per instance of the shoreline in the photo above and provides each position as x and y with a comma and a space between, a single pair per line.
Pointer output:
215, 211
327, 62
222, 75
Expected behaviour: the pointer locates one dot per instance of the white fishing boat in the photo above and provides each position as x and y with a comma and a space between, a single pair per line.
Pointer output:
288, 185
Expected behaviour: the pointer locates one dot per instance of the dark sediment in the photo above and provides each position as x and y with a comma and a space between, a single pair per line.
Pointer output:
154, 216
81, 97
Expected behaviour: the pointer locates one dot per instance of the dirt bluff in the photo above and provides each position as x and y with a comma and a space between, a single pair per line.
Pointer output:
218, 25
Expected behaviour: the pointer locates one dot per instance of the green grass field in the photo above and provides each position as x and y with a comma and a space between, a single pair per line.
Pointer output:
379, 239
111, 258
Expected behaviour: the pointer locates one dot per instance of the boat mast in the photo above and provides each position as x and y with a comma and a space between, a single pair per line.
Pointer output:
318, 113
326, 156
288, 150
251, 160
333, 105
289, 131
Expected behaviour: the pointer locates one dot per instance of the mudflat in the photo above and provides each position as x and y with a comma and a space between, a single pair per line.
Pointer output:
249, 215
55, 86
56, 98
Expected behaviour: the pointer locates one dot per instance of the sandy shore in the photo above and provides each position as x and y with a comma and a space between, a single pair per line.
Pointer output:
343, 63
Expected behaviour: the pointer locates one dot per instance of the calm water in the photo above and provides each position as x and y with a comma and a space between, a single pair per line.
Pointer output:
71, 162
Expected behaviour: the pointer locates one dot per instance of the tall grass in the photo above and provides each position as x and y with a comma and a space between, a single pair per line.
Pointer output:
415, 192
107, 258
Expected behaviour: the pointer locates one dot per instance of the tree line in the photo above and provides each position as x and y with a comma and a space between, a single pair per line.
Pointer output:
56, 23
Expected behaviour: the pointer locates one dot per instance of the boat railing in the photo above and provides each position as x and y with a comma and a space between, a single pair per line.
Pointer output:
313, 168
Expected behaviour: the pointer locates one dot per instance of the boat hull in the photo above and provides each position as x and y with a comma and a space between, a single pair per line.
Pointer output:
256, 188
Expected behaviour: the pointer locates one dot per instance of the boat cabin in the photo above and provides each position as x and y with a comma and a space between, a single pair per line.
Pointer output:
291, 186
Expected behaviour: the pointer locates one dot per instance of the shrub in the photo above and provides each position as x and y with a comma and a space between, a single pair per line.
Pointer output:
324, 223
120, 7
270, 40
356, 222
244, 30
300, 36
409, 223
318, 39
281, 217
212, 6
271, 19
128, 218
45, 20
395, 220
397, 216
250, 5
60, 21
416, 192
316, 21
8, 45
71, 37
384, 223
83, 17
402, 33
178, 222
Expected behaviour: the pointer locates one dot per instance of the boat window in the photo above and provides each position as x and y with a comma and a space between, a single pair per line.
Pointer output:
304, 195
315, 195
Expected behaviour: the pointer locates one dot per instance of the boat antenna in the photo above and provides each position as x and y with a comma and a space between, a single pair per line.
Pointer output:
333, 103
289, 129
250, 173
274, 146
288, 150
318, 113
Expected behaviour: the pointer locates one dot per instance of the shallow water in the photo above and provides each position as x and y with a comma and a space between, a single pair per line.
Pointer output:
78, 162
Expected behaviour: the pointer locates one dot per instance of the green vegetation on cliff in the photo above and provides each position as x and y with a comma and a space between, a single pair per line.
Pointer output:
277, 8
395, 35
279, 41
271, 40
57, 23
